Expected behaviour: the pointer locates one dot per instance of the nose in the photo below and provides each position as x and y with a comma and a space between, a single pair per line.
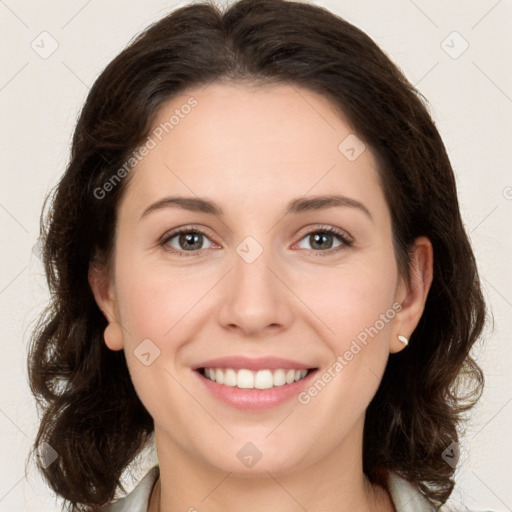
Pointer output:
256, 299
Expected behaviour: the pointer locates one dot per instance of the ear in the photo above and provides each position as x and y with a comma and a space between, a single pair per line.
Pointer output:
103, 290
412, 296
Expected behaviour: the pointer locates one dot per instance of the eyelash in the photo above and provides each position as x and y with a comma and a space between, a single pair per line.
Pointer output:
329, 230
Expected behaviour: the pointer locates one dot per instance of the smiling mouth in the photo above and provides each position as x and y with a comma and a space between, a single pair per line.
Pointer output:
248, 379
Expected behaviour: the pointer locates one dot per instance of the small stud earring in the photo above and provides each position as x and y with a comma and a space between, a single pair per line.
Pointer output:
403, 339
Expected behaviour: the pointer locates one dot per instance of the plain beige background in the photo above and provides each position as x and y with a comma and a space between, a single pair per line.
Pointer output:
457, 52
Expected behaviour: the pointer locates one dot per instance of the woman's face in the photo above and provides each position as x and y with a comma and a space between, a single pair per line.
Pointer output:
255, 282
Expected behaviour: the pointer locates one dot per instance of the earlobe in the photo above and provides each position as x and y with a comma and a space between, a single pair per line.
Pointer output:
113, 336
413, 295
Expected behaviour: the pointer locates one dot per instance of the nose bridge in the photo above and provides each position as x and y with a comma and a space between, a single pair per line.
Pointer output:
252, 262
256, 298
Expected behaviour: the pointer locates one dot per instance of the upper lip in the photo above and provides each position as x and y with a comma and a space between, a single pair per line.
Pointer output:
252, 363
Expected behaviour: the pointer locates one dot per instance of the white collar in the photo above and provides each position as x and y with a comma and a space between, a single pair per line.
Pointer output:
405, 496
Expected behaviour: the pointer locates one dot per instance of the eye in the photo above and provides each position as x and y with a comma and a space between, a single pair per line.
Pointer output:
321, 240
186, 240
190, 241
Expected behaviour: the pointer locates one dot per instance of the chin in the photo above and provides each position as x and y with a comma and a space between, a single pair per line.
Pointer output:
250, 461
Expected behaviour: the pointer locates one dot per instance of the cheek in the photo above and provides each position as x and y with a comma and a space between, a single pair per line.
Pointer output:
352, 300
357, 306
158, 304
358, 310
158, 299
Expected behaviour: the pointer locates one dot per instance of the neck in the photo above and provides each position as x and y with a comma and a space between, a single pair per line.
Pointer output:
336, 482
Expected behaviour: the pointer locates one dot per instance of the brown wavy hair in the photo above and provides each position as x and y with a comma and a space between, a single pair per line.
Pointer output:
91, 414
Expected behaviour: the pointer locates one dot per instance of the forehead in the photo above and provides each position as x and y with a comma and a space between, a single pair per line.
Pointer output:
256, 145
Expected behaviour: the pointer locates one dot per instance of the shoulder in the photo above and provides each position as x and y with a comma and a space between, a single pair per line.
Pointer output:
138, 499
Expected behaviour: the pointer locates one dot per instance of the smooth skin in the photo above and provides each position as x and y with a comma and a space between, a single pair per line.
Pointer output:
252, 150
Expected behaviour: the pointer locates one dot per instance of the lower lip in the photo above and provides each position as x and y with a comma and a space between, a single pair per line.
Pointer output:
256, 399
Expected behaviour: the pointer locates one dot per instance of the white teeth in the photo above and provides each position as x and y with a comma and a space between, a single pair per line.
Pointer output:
230, 378
279, 378
244, 379
263, 380
247, 379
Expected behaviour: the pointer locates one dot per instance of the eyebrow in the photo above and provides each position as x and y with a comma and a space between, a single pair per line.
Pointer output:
296, 206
